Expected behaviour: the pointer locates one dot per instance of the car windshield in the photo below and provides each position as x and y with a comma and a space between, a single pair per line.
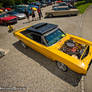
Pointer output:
13, 12
53, 37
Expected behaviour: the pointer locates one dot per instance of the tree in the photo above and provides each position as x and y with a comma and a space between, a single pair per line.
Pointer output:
7, 3
29, 1
18, 2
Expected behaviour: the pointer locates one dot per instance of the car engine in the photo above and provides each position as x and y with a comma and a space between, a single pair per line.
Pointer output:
73, 48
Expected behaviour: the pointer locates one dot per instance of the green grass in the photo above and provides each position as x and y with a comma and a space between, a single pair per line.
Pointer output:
82, 6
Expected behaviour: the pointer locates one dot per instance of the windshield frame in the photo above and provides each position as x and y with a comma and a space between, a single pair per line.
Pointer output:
46, 42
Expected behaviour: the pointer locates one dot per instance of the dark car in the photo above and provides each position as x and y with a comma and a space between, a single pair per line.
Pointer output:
49, 3
43, 4
21, 9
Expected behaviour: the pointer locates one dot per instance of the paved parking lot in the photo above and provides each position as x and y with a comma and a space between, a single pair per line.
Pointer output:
28, 68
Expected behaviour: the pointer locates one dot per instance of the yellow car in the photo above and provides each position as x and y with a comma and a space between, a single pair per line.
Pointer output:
67, 50
1, 10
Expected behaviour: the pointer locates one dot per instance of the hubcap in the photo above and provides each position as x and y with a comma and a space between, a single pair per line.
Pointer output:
23, 44
50, 15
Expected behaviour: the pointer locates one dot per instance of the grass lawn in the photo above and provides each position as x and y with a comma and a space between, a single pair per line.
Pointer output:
82, 6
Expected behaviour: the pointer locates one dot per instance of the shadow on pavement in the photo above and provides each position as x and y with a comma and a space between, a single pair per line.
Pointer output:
70, 77
5, 25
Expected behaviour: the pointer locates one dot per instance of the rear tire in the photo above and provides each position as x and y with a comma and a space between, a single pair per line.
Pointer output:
62, 66
23, 45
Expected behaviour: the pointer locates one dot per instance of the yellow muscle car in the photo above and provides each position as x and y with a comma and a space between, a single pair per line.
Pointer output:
67, 50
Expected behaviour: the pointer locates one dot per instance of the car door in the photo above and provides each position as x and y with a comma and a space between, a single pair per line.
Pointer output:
38, 44
34, 41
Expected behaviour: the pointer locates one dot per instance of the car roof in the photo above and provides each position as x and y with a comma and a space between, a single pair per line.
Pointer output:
42, 28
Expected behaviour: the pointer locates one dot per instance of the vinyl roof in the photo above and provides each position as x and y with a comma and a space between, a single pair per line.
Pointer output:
42, 28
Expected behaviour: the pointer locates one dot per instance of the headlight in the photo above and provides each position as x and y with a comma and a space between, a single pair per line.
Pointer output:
83, 64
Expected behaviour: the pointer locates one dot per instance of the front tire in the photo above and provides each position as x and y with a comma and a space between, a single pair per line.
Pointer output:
50, 15
62, 66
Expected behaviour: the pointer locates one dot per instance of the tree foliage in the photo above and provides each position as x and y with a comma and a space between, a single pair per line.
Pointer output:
1, 5
6, 3
18, 1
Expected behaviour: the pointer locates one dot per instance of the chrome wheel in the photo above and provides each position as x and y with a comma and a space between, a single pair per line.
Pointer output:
62, 66
50, 15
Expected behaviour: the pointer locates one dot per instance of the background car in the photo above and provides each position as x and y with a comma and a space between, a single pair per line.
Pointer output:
17, 14
43, 4
61, 11
63, 4
8, 9
58, 1
21, 9
6, 19
59, 4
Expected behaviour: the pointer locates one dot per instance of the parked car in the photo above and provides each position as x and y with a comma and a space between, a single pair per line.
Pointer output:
58, 1
21, 9
33, 6
17, 14
43, 4
60, 4
61, 11
64, 4
6, 19
1, 10
8, 9
48, 3
67, 50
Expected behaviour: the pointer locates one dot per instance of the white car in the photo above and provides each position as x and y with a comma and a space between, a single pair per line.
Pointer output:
17, 14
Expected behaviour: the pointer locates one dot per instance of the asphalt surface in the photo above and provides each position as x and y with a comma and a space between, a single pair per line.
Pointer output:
29, 69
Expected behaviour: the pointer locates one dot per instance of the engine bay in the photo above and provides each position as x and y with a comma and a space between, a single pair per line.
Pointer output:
73, 48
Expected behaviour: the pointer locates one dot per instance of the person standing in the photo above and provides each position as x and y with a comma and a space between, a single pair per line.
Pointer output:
39, 13
27, 14
33, 15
